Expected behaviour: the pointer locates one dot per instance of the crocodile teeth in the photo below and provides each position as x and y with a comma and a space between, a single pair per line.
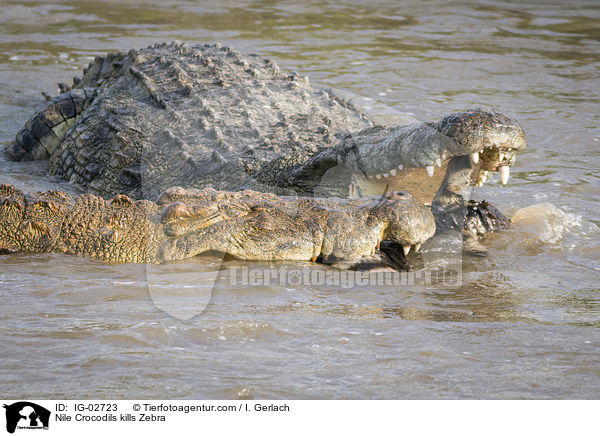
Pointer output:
429, 169
501, 156
444, 156
475, 157
378, 176
438, 162
417, 247
393, 172
504, 173
406, 249
386, 175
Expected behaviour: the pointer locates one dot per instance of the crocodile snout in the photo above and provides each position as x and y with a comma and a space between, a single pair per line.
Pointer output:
410, 223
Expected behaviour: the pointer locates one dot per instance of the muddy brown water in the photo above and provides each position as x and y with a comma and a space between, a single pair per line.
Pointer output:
523, 324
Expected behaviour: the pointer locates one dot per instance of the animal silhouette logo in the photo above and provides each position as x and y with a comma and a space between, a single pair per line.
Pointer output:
24, 414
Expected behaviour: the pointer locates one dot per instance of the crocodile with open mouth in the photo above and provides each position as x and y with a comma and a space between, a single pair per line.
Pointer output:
139, 122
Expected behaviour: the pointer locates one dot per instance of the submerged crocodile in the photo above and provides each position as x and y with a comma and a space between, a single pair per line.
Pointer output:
184, 223
140, 122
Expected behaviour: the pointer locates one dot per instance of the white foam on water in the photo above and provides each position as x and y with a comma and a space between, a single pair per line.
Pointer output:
544, 222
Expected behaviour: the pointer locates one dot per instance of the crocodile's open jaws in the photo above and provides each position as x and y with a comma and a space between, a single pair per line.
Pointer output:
491, 139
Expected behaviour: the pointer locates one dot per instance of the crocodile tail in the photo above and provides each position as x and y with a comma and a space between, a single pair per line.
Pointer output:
46, 129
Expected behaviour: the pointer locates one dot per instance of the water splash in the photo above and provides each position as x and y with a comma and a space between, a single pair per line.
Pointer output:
544, 223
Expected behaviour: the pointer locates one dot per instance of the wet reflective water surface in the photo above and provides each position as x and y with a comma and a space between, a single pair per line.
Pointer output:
523, 324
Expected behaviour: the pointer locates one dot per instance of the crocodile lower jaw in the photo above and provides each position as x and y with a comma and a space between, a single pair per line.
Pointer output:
414, 180
423, 182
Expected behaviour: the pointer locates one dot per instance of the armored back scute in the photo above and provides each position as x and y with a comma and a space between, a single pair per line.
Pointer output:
193, 116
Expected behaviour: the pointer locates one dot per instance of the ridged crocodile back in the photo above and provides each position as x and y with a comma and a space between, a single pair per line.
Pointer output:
176, 115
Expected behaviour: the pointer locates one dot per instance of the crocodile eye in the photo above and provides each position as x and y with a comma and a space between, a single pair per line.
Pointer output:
398, 194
